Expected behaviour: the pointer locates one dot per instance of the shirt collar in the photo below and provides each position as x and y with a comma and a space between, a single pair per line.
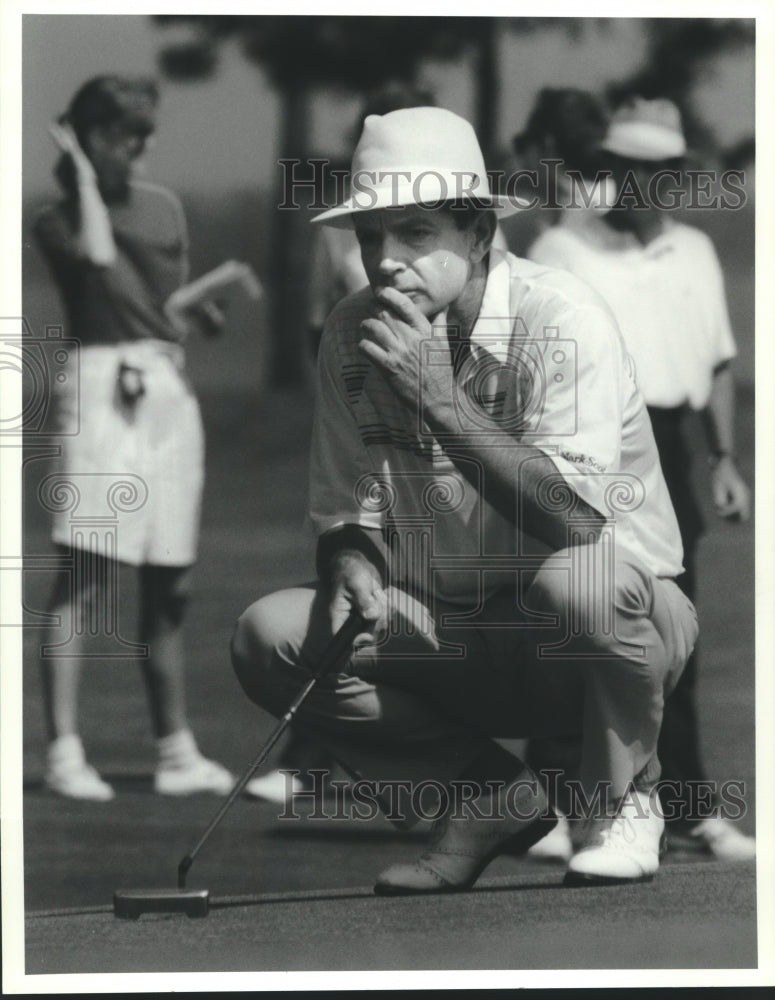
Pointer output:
493, 326
608, 238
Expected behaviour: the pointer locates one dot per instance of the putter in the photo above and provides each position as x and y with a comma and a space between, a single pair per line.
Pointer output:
129, 904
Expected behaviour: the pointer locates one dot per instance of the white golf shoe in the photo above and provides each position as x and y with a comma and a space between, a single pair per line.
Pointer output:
625, 848
69, 775
556, 845
274, 786
78, 782
198, 775
182, 770
723, 840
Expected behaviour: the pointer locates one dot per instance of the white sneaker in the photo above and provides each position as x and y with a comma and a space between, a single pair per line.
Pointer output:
195, 775
275, 786
68, 774
78, 781
626, 848
723, 840
556, 845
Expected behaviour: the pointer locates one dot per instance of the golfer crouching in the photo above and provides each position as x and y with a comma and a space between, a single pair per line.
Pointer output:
487, 495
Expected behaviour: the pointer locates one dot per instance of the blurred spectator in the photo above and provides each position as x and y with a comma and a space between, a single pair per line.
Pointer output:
117, 249
560, 143
663, 281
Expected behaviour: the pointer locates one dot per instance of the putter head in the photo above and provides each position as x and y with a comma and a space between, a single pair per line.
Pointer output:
129, 904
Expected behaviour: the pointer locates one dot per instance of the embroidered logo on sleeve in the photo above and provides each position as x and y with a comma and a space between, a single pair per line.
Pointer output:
579, 459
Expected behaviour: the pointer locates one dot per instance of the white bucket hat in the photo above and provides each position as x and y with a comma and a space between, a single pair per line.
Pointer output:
417, 156
646, 130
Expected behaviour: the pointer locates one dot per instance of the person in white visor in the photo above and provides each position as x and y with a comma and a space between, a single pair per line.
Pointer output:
663, 282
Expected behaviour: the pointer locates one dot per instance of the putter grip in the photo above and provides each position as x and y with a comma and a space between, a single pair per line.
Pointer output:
340, 644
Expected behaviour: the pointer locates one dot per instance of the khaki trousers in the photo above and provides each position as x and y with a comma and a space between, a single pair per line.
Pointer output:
589, 643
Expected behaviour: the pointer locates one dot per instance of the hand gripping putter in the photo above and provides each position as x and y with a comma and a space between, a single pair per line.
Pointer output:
129, 904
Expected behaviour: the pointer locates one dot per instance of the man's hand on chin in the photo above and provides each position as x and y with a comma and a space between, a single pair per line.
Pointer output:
393, 339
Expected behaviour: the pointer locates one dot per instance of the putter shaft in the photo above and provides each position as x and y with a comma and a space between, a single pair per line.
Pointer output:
340, 644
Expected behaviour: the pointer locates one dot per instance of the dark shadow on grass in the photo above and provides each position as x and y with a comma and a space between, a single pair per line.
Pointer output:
328, 895
312, 895
121, 782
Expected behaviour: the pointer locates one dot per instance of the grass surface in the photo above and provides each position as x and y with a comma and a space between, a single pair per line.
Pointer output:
692, 916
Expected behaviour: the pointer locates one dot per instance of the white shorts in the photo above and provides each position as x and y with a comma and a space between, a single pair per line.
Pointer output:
129, 481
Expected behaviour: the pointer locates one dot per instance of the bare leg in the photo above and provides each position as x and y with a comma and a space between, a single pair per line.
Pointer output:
182, 769
163, 599
72, 600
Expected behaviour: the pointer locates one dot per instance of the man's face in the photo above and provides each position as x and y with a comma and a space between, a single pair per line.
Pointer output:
624, 168
419, 251
633, 179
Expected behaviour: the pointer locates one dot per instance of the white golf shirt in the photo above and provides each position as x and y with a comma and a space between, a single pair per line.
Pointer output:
549, 366
668, 299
